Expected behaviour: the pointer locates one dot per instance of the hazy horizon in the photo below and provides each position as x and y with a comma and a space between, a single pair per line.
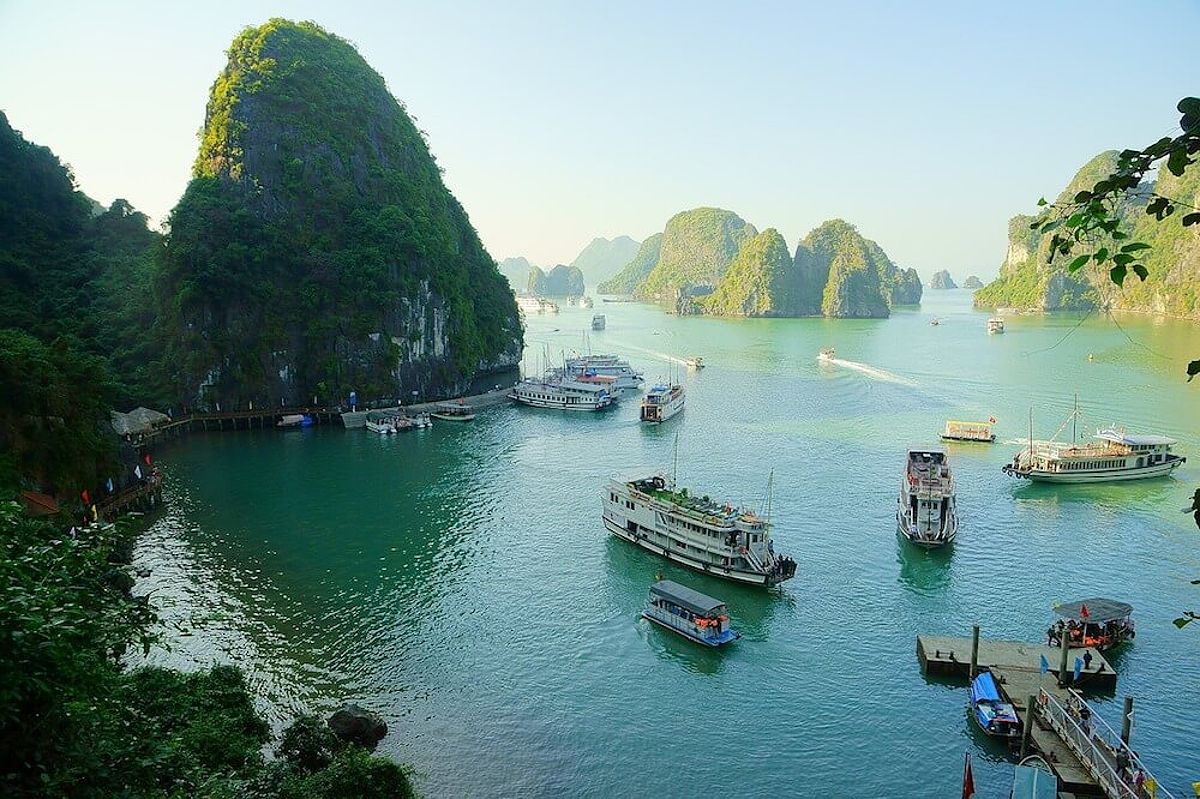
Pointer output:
557, 125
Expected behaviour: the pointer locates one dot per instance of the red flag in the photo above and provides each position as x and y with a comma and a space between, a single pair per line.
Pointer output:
148, 459
968, 778
1083, 612
87, 500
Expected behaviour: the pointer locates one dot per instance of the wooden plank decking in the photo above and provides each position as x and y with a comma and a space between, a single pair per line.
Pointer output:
952, 656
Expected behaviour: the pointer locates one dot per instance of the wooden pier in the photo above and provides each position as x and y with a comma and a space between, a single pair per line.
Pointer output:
952, 656
143, 496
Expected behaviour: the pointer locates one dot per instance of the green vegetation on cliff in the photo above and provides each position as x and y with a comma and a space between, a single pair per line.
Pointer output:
634, 273
761, 281
316, 249
697, 247
561, 281
842, 274
602, 258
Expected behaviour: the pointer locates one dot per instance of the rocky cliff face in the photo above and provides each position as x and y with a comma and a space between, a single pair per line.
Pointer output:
635, 272
697, 247
972, 282
906, 287
843, 274
561, 281
316, 249
515, 270
603, 258
941, 281
761, 281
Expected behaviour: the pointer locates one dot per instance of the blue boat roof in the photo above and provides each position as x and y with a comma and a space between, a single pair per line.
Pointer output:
984, 687
685, 597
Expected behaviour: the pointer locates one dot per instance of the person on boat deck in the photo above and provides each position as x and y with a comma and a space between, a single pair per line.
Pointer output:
1195, 509
1087, 660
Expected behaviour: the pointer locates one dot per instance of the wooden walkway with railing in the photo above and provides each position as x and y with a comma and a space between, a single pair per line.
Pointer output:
143, 496
248, 419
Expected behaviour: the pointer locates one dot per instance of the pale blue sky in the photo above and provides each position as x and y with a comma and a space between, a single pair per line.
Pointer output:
925, 124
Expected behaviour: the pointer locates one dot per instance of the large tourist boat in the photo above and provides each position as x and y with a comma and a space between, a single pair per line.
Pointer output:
994, 714
662, 402
1114, 455
610, 365
689, 613
1098, 623
721, 540
562, 395
532, 304
925, 511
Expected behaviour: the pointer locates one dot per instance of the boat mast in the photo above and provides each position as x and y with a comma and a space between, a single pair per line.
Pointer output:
675, 465
1075, 419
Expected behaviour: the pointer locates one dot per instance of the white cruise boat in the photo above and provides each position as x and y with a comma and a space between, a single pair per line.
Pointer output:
662, 402
531, 304
562, 395
995, 325
925, 511
716, 539
1115, 455
611, 365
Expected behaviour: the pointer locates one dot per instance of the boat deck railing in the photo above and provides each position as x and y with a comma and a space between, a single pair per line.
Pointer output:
1098, 748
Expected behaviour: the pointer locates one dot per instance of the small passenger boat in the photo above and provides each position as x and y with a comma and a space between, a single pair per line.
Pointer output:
457, 411
381, 423
694, 362
598, 322
994, 714
290, 420
925, 511
662, 402
586, 302
690, 613
975, 432
1097, 623
995, 325
827, 354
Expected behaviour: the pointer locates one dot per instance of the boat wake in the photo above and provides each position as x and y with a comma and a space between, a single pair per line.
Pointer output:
655, 353
870, 371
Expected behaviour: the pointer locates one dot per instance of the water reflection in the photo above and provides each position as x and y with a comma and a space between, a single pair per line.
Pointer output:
923, 570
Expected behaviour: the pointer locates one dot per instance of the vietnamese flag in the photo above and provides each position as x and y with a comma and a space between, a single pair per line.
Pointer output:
148, 459
87, 500
1083, 612
968, 778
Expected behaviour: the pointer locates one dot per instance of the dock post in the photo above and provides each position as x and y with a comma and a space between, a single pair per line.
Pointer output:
974, 650
1127, 720
1027, 730
1062, 661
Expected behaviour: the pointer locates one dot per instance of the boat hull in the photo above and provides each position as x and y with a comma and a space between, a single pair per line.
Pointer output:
1098, 476
560, 406
664, 412
450, 417
736, 575
685, 633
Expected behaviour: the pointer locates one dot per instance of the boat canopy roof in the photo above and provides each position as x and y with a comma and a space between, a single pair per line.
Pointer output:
985, 687
1099, 610
685, 597
1031, 782
1118, 436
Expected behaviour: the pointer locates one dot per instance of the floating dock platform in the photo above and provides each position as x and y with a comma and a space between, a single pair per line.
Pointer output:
942, 655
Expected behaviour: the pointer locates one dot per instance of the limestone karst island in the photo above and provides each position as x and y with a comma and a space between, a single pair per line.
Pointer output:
531, 400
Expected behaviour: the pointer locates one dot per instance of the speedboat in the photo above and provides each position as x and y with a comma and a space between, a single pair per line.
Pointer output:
994, 714
827, 354
690, 613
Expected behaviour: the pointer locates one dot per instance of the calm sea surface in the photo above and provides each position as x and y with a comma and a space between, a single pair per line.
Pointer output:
459, 580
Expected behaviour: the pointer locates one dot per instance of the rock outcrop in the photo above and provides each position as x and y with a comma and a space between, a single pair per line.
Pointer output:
357, 725
516, 271
635, 272
761, 281
316, 249
697, 247
906, 287
941, 281
561, 281
972, 282
843, 274
603, 258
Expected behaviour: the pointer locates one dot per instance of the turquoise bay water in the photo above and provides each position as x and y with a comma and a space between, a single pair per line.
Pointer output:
459, 580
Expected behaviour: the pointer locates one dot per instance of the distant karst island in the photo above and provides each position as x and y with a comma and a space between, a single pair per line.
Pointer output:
941, 280
972, 282
711, 261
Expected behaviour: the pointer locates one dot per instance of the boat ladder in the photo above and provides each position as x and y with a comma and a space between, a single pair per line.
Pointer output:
1098, 748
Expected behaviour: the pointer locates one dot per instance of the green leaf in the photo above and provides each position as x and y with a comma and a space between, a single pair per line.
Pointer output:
1189, 105
1193, 370
1083, 196
1078, 263
1140, 271
1181, 622
1074, 220
1117, 274
1123, 259
1178, 161
1135, 246
1190, 219
1118, 235
1041, 201
1100, 255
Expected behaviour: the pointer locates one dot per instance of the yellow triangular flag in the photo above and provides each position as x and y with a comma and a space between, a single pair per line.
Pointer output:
95, 514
